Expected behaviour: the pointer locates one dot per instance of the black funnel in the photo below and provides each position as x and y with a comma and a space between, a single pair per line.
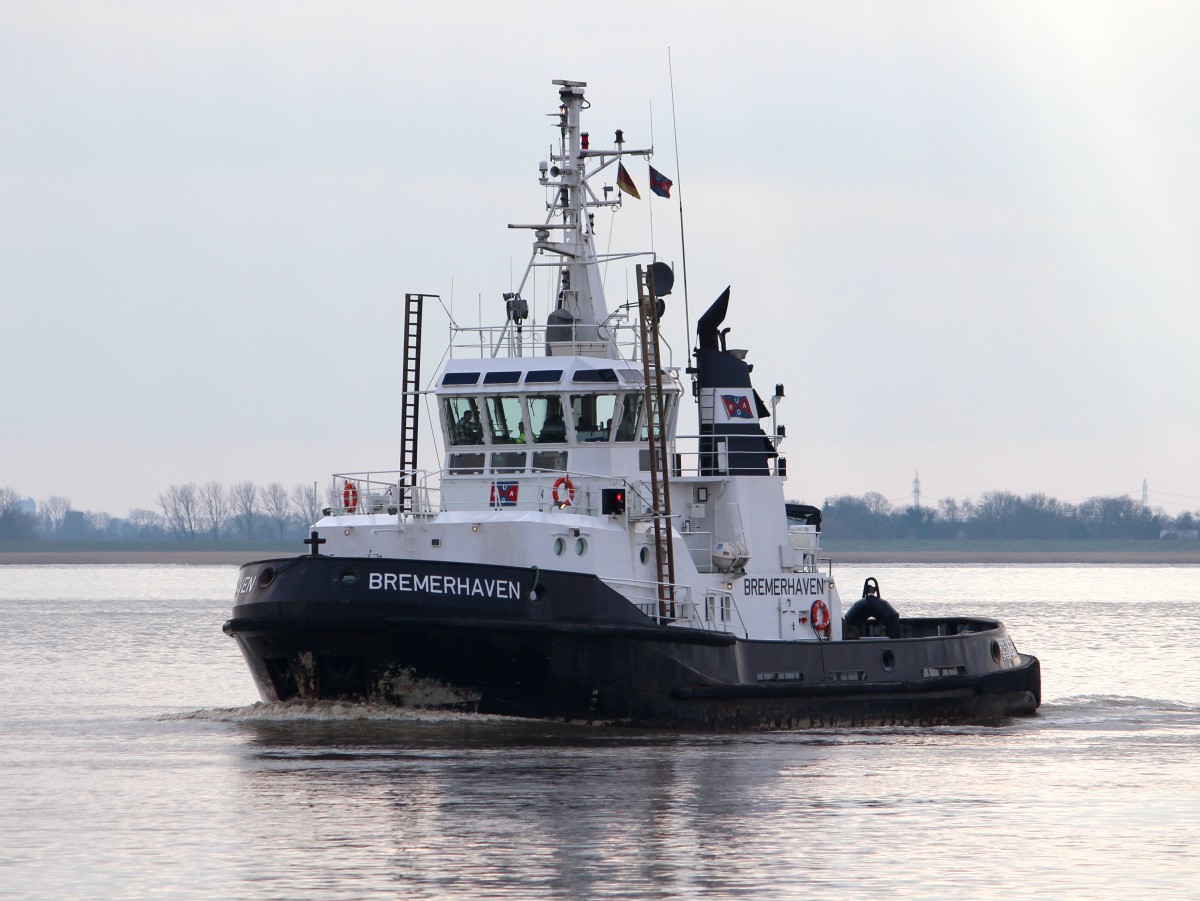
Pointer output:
731, 440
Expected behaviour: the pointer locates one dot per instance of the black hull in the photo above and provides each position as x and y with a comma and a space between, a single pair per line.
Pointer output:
577, 651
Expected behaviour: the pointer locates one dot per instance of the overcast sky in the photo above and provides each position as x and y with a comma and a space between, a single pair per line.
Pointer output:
965, 236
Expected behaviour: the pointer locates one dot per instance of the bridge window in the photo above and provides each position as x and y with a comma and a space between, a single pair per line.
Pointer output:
465, 464
668, 403
549, 461
462, 420
504, 419
631, 408
594, 375
593, 415
546, 419
508, 461
501, 378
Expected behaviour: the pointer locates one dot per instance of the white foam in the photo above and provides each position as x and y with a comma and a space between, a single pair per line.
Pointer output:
328, 711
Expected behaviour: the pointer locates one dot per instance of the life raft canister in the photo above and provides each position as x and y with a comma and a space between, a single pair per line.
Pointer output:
819, 613
564, 482
350, 495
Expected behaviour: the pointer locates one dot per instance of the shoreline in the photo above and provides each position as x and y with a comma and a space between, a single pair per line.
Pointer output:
178, 558
1167, 557
892, 558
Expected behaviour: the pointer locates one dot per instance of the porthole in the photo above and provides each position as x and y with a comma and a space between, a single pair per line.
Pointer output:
888, 659
559, 547
644, 555
580, 545
348, 578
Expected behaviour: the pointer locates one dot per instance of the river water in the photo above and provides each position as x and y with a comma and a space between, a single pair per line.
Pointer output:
136, 763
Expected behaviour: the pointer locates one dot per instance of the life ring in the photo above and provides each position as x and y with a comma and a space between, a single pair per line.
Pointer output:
819, 614
350, 495
562, 482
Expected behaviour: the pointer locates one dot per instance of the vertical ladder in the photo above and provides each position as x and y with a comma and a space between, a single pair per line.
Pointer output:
410, 401
660, 487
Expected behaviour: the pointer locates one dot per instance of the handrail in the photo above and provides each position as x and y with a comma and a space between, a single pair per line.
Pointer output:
644, 594
535, 338
379, 492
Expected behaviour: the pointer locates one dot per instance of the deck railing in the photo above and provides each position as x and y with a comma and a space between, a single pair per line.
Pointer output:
384, 491
554, 339
717, 612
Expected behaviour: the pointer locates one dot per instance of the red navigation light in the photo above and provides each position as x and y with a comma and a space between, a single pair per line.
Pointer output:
612, 501
583, 138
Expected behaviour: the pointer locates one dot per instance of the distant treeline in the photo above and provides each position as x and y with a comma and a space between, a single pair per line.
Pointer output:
1001, 514
247, 512
190, 512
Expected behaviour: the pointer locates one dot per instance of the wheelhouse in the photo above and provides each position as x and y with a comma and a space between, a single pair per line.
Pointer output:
516, 422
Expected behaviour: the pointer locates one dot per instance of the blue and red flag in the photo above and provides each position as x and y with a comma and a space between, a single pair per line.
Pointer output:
659, 183
737, 406
504, 494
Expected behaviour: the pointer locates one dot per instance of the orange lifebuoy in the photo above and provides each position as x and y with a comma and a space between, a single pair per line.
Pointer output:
820, 617
564, 482
350, 495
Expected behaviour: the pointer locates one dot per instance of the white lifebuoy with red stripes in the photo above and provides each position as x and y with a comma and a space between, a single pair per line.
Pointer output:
350, 496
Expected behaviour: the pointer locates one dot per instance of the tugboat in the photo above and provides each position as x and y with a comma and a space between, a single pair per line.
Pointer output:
575, 557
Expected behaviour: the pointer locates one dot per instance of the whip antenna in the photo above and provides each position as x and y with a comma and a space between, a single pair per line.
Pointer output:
687, 318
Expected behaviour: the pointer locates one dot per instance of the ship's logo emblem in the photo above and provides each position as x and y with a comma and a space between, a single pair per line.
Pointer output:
504, 494
737, 406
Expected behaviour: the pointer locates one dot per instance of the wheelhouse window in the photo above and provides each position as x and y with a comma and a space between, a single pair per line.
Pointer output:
462, 421
504, 419
465, 464
508, 461
546, 419
627, 424
593, 415
668, 406
502, 378
549, 461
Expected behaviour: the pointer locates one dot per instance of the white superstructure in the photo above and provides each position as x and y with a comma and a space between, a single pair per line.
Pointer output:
546, 433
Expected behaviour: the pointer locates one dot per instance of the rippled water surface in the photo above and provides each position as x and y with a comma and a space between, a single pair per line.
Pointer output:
136, 763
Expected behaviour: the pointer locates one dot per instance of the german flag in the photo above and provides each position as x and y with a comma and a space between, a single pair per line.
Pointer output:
625, 183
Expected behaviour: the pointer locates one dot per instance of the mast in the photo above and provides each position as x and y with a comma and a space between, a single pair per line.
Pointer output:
576, 325
580, 291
